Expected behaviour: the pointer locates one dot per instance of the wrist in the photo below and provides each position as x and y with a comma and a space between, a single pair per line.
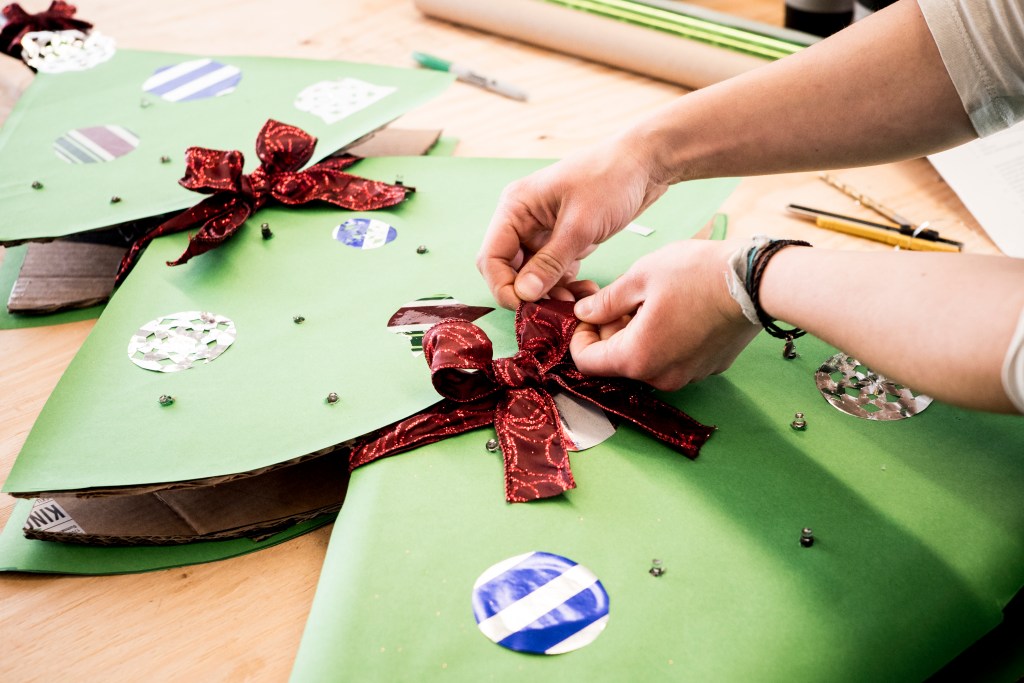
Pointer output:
745, 276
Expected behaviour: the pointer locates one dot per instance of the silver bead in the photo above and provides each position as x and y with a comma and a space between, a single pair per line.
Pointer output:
166, 400
36, 185
806, 537
798, 423
422, 249
165, 159
656, 568
332, 398
491, 445
298, 320
115, 199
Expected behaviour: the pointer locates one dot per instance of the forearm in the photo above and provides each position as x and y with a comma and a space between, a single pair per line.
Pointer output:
939, 323
873, 93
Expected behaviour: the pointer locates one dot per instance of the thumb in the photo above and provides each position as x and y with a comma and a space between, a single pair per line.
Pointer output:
620, 298
544, 269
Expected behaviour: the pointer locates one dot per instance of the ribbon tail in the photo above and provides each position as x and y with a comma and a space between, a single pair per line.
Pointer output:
533, 446
439, 421
217, 217
635, 402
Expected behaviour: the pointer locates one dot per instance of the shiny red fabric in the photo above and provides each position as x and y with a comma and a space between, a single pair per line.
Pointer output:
58, 17
282, 150
515, 395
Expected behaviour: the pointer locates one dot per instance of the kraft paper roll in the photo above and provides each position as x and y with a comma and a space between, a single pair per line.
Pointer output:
689, 63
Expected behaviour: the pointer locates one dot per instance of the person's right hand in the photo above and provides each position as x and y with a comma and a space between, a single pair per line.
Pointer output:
546, 223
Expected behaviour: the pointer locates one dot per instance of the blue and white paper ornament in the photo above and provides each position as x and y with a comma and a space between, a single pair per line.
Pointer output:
540, 603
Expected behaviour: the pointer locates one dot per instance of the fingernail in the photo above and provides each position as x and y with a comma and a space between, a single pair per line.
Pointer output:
529, 287
583, 308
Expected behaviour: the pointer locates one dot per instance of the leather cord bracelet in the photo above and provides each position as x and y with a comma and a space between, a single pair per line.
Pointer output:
758, 258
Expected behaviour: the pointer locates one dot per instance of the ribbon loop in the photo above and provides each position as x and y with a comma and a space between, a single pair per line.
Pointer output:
212, 170
460, 356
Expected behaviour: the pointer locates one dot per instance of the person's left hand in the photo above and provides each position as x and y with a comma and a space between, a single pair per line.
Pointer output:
668, 321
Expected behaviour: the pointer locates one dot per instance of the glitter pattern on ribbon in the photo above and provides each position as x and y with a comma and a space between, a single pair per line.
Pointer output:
855, 390
235, 195
333, 101
193, 80
416, 317
540, 603
515, 395
180, 341
55, 52
364, 233
95, 144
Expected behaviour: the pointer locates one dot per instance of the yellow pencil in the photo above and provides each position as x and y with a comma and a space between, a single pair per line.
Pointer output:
874, 231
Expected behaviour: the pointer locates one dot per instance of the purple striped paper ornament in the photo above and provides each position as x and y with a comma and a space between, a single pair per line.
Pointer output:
95, 144
540, 603
193, 80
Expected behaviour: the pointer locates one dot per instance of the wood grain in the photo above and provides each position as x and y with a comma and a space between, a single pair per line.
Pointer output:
242, 619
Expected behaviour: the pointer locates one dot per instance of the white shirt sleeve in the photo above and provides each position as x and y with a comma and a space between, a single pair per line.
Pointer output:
1013, 367
982, 46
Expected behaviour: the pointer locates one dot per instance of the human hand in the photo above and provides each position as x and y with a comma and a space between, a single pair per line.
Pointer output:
546, 223
668, 321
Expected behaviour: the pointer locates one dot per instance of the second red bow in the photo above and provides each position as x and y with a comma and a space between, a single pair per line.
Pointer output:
282, 150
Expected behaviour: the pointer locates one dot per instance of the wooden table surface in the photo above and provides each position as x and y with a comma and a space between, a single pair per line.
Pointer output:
241, 619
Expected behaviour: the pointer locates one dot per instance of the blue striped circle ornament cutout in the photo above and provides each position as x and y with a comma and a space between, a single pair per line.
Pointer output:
540, 603
95, 144
193, 80
364, 233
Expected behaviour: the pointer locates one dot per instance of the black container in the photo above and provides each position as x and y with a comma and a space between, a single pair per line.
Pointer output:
820, 17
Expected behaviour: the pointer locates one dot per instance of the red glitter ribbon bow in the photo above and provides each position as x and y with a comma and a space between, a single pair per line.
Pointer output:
515, 395
283, 150
19, 22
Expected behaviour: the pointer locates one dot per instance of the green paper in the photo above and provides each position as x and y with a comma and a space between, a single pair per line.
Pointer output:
263, 401
76, 197
19, 554
444, 147
918, 525
12, 260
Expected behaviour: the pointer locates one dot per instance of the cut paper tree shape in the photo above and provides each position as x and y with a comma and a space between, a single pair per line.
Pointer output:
45, 197
251, 442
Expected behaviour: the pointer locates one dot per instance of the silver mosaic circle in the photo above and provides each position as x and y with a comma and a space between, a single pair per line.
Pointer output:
180, 341
854, 389
55, 52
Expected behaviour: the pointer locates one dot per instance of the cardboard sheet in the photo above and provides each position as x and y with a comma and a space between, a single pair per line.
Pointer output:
13, 257
111, 95
60, 275
19, 554
262, 403
918, 526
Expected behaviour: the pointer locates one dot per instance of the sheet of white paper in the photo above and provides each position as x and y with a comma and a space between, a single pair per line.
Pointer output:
988, 176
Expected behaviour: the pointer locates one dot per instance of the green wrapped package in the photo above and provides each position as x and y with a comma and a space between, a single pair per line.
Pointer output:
918, 528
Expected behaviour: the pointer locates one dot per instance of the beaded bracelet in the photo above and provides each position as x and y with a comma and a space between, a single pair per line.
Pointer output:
757, 261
